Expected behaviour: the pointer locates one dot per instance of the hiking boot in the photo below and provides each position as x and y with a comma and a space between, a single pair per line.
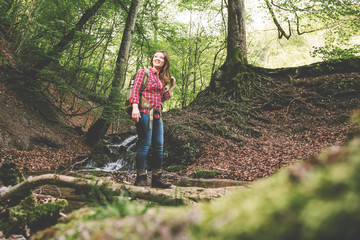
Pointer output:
141, 179
157, 182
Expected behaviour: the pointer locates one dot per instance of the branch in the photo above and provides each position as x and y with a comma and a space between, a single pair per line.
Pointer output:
298, 26
281, 31
291, 10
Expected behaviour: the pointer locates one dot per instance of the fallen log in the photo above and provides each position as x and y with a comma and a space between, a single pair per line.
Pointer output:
106, 187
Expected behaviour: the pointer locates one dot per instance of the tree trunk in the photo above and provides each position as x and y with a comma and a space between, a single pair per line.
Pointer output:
60, 46
236, 41
234, 77
111, 109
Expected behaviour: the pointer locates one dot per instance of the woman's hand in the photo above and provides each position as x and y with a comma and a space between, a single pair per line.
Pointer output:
135, 112
172, 81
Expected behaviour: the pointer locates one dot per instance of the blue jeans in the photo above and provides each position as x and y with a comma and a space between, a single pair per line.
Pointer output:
154, 136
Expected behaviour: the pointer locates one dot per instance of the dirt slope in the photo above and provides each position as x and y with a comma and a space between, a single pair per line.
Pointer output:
31, 136
293, 120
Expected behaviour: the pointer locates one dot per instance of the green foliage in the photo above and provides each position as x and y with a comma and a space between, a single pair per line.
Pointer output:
31, 214
194, 5
338, 21
193, 32
85, 68
120, 207
335, 52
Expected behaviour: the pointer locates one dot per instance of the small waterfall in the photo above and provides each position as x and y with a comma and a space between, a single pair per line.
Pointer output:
115, 148
120, 157
114, 166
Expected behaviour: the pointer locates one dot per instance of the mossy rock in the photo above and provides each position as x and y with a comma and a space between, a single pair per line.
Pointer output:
30, 214
10, 174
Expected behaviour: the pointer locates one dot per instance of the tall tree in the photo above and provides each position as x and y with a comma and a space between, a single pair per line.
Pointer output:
111, 109
234, 77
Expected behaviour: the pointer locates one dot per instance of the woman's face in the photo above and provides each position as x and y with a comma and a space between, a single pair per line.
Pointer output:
158, 60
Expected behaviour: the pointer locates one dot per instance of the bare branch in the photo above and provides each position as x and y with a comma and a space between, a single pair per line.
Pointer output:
298, 26
281, 32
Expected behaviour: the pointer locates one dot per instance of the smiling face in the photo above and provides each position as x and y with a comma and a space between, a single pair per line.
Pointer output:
160, 63
158, 60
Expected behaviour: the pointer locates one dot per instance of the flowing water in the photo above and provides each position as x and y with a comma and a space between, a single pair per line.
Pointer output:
120, 155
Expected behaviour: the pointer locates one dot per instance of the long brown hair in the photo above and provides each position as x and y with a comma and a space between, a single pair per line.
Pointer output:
164, 74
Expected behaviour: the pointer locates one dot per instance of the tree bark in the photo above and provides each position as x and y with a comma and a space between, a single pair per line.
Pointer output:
281, 31
111, 109
234, 77
236, 41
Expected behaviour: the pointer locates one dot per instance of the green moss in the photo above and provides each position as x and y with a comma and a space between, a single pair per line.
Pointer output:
174, 168
201, 173
29, 213
356, 118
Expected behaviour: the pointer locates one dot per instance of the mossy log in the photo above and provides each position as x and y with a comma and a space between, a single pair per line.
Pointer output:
319, 200
106, 188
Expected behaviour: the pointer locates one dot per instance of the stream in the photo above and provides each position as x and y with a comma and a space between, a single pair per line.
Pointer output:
119, 155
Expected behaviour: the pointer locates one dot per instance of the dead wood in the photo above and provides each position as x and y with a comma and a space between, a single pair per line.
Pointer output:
173, 196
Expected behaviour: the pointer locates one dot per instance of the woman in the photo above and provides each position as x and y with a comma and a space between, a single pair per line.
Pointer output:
150, 128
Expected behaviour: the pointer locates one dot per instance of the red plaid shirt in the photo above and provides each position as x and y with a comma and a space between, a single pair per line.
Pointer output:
155, 91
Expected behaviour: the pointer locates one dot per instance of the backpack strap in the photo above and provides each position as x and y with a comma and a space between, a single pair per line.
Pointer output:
146, 79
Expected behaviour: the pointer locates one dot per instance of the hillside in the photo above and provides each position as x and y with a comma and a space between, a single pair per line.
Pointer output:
33, 134
291, 119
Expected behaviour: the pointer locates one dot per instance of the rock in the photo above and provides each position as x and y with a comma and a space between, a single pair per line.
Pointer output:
10, 174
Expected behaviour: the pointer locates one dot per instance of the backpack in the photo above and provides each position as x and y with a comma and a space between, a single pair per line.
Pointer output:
143, 102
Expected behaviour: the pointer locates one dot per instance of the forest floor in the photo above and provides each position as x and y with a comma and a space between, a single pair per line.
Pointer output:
288, 136
297, 121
